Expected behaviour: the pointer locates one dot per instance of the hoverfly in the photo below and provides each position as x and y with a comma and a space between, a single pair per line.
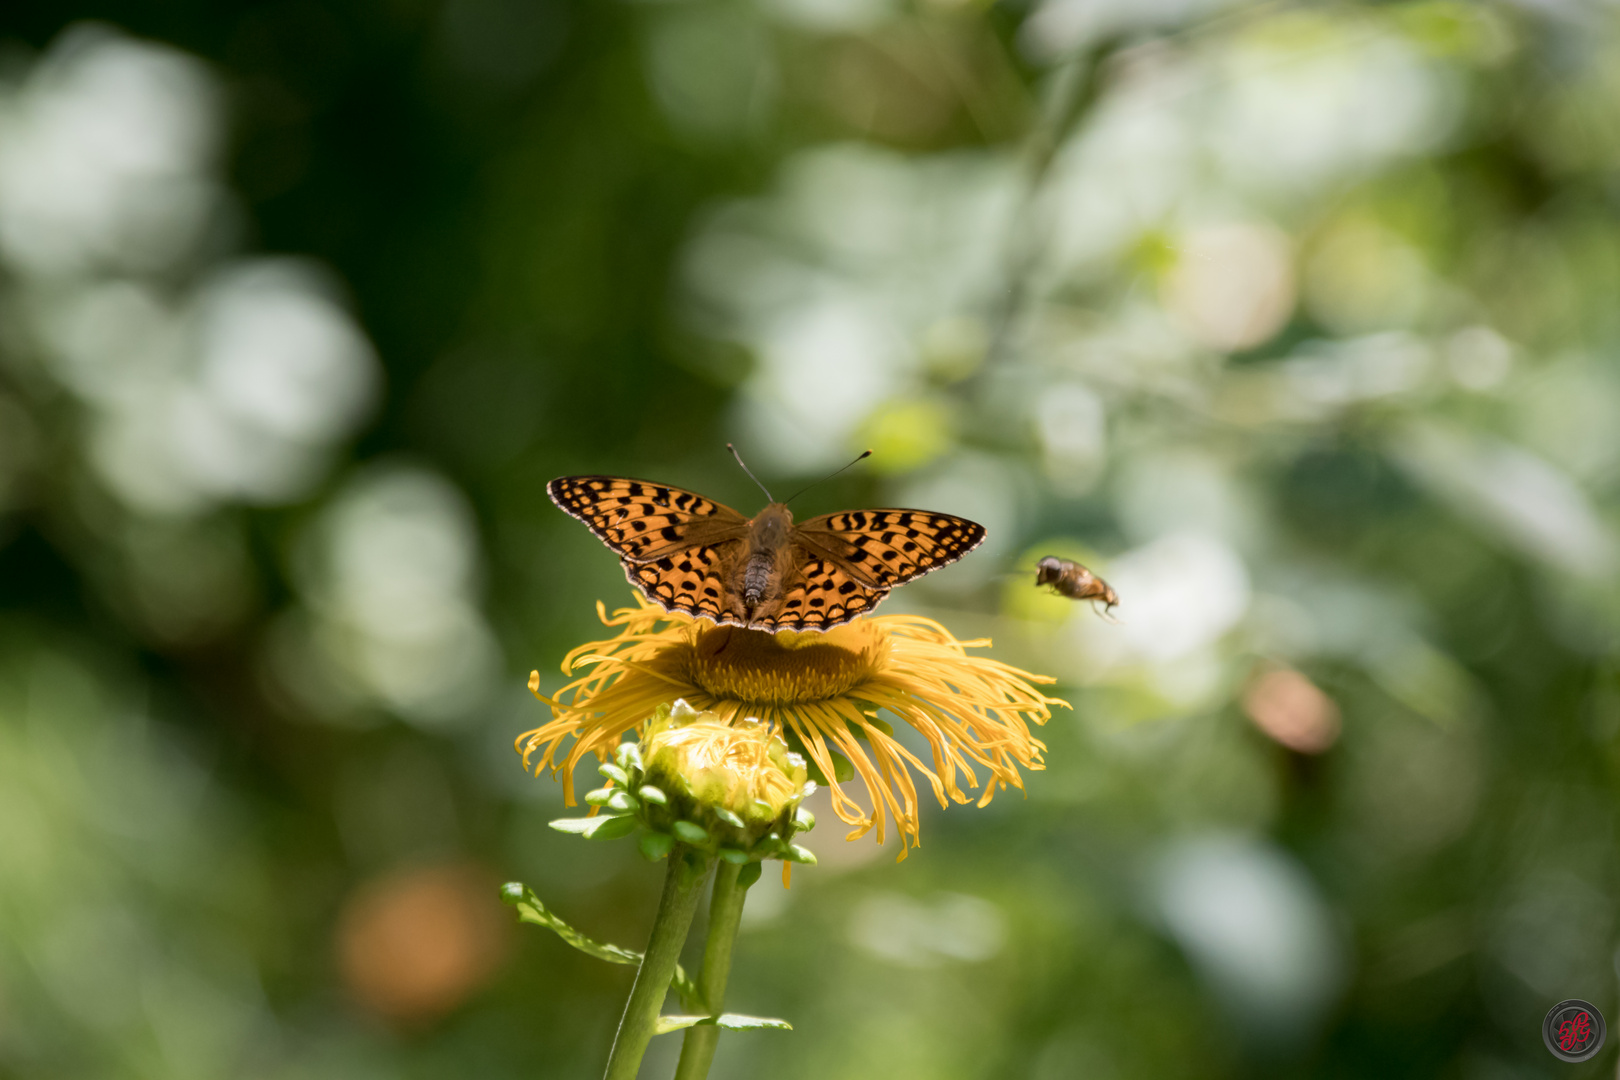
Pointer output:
1076, 582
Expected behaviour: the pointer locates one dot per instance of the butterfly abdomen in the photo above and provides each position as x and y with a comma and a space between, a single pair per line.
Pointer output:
767, 542
757, 575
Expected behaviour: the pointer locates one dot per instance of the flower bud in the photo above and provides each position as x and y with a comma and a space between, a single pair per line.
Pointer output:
737, 782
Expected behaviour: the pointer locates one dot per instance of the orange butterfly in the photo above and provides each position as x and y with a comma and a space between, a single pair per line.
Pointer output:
691, 554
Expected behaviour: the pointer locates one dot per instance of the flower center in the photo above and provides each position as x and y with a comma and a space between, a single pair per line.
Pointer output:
758, 668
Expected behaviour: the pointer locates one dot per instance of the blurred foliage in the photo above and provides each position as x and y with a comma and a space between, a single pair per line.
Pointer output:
1296, 322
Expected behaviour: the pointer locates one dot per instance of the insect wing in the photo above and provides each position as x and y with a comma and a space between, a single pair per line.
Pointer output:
692, 580
885, 548
642, 521
820, 596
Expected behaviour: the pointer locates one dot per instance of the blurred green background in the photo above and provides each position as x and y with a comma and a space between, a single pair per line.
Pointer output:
1297, 322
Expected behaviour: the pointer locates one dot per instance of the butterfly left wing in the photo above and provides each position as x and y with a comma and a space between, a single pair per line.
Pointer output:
643, 521
881, 549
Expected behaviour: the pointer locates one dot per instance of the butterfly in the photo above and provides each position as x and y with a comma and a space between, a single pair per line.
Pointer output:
691, 554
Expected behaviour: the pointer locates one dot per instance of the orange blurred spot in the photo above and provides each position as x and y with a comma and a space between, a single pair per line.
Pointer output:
414, 944
1292, 710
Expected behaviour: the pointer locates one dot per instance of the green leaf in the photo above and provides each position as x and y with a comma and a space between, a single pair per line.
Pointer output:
584, 826
651, 794
532, 911
690, 833
739, 1022
655, 845
729, 1021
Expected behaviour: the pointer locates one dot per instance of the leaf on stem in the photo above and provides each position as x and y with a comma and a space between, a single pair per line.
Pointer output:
729, 1021
531, 910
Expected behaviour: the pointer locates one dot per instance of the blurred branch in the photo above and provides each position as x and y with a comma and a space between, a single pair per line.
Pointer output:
1074, 87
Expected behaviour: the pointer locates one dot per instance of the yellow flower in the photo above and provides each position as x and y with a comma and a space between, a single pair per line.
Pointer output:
823, 690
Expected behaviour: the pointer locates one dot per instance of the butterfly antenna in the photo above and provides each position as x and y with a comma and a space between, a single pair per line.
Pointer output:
864, 455
750, 473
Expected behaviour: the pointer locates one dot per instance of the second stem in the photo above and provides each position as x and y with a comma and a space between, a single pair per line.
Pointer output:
725, 912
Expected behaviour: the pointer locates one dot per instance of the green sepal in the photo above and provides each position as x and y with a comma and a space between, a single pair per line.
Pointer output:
629, 757
735, 856
612, 827
748, 875
729, 1021
600, 796
622, 802
872, 719
605, 827
803, 820
651, 794
842, 769
584, 826
655, 845
798, 854
690, 833
729, 818
614, 773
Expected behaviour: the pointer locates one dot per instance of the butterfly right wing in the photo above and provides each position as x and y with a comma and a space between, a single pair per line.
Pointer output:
692, 580
644, 522
885, 548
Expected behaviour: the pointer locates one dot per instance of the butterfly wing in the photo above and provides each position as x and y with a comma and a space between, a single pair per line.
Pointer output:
819, 596
885, 548
692, 580
642, 521
849, 561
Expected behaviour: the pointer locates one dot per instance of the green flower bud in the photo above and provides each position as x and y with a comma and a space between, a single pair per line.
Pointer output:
721, 783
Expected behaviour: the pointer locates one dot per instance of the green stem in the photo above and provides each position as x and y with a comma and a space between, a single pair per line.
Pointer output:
725, 912
675, 908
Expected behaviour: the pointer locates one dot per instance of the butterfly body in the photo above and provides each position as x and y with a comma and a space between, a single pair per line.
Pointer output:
768, 535
691, 554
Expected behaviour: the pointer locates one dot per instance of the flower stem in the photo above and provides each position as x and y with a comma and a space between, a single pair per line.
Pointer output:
675, 908
725, 912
